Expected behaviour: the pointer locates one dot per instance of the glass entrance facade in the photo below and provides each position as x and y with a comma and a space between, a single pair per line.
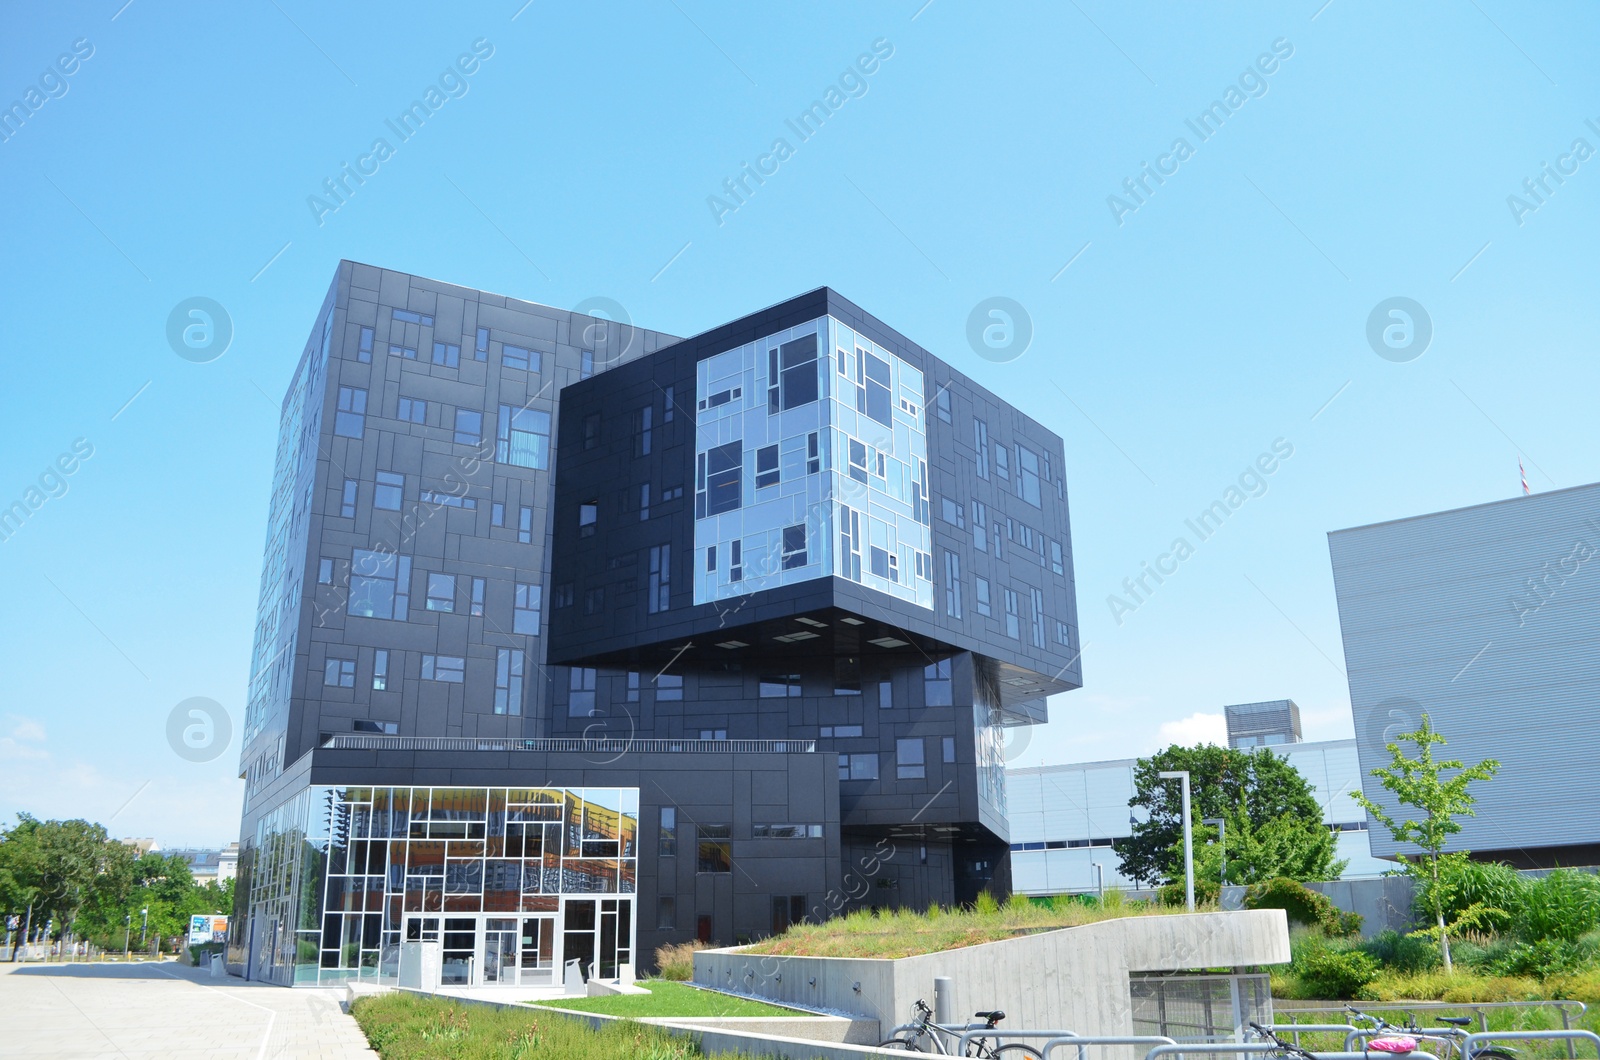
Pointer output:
512, 882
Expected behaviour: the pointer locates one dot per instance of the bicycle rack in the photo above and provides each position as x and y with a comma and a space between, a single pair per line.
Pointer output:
1286, 1029
1472, 1041
1258, 1048
1081, 1041
1355, 1035
995, 1032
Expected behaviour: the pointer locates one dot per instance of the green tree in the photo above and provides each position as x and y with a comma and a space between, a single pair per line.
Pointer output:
1274, 825
52, 867
1422, 784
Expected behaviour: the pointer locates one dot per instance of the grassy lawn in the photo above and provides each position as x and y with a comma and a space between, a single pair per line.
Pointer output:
403, 1026
905, 932
672, 999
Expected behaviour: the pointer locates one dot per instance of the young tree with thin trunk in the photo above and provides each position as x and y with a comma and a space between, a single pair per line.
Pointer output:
1422, 784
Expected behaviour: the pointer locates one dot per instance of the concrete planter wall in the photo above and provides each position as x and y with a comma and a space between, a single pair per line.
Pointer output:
1073, 978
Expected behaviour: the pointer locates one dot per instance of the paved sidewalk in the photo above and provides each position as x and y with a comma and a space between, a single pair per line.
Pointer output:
157, 1009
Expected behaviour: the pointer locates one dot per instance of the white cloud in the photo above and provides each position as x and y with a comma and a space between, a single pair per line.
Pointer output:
18, 746
1197, 728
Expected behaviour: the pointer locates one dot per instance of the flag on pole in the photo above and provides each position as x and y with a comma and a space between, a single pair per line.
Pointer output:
1524, 475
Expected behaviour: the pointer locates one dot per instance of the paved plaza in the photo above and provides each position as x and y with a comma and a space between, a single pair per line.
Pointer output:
157, 1009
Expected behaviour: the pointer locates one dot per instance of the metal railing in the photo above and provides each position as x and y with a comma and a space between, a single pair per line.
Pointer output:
365, 742
1570, 1036
1569, 1010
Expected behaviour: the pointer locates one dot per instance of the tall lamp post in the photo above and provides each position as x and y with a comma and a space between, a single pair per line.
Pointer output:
144, 922
127, 936
1188, 834
1222, 844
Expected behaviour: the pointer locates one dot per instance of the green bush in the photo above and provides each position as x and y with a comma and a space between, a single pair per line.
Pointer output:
676, 962
1206, 892
1303, 906
1489, 885
1402, 953
985, 905
1335, 974
1548, 956
1563, 905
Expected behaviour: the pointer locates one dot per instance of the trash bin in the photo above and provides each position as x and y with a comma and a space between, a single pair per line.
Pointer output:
219, 966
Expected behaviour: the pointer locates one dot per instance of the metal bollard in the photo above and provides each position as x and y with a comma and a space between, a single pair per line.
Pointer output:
943, 989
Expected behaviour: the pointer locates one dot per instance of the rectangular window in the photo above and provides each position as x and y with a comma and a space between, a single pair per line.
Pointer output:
585, 364
779, 686
980, 441
380, 585
339, 673
936, 684
666, 912
839, 732
952, 584
447, 354
667, 844
980, 526
1038, 617
469, 427
580, 693
1028, 476
951, 511
982, 587
449, 500
1013, 618
519, 357
846, 675
350, 419
396, 350
794, 546
658, 592
588, 516
786, 831
480, 349
948, 745
594, 601
390, 491
324, 572
766, 466
713, 734
715, 851
813, 454
380, 670
735, 560
478, 587
523, 437
908, 760
413, 410
525, 526
563, 595
1063, 635
941, 403
526, 609
717, 477
448, 668
441, 592
497, 514
885, 695
347, 501
792, 374
508, 681
644, 502
858, 767
669, 687
668, 406
364, 347
643, 430
413, 318
1057, 563
1002, 462
591, 430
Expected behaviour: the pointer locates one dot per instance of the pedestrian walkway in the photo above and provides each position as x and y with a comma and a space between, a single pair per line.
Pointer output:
157, 1009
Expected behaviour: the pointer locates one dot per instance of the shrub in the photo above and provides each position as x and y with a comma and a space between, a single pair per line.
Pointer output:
1335, 974
1547, 956
1303, 906
1206, 892
1488, 885
986, 905
676, 962
1402, 953
1563, 905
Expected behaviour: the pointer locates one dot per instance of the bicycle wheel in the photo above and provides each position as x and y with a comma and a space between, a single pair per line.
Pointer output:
907, 1045
1015, 1051
1493, 1054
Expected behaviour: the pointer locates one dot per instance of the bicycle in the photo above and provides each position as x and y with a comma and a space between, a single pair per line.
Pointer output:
1284, 1048
926, 1036
1450, 1039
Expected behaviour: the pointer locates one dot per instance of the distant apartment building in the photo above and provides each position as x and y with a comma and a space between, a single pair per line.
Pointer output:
1487, 619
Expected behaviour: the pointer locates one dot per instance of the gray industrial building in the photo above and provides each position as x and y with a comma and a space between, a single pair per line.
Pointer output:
1487, 619
575, 639
1273, 721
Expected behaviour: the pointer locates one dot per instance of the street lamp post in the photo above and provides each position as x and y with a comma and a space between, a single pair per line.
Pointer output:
127, 935
1222, 843
1188, 834
144, 920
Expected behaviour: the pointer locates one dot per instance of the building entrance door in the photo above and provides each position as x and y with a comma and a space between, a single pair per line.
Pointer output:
500, 949
599, 933
538, 940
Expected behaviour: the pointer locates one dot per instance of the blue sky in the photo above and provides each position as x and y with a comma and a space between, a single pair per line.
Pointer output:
1172, 343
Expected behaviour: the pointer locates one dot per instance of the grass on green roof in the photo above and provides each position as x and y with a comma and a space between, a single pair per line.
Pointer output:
905, 932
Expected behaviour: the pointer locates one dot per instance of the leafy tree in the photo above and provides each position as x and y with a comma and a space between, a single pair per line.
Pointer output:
1274, 825
1421, 783
53, 867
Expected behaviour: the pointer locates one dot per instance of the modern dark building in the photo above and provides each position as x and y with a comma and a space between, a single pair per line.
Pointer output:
1484, 618
575, 639
1272, 721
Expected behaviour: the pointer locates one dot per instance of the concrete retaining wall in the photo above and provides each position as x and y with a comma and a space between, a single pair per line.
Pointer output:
1072, 978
